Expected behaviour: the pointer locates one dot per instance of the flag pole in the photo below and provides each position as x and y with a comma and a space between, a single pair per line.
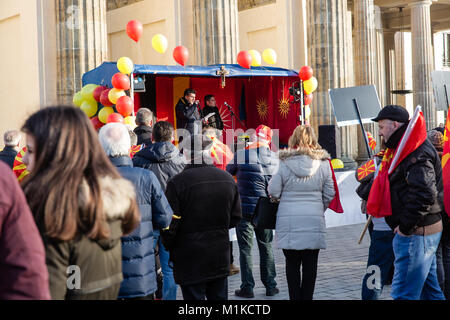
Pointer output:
365, 229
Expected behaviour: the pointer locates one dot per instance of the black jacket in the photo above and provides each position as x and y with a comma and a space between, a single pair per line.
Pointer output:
214, 121
144, 134
8, 155
186, 113
416, 187
163, 159
207, 200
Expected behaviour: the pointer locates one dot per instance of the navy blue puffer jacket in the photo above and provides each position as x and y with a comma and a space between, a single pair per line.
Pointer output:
138, 259
253, 169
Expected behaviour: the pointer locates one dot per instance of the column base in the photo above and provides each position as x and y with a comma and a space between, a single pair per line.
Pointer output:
349, 164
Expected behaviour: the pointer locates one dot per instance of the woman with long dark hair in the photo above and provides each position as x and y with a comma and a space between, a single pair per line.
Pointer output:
80, 203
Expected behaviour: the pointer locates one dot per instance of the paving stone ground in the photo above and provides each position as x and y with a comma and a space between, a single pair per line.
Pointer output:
340, 271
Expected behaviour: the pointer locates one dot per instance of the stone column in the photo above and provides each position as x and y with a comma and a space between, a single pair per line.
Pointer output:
422, 60
328, 57
216, 32
400, 71
365, 59
389, 59
81, 43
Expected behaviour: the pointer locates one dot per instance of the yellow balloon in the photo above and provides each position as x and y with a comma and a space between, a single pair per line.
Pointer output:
104, 113
78, 99
310, 85
130, 120
337, 164
307, 112
159, 43
114, 95
256, 58
89, 107
269, 56
88, 90
125, 65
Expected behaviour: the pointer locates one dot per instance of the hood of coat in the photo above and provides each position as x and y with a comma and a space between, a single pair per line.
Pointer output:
117, 195
303, 162
160, 152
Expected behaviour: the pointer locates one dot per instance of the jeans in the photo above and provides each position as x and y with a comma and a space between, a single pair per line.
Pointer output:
169, 285
443, 266
379, 264
301, 287
244, 232
415, 275
212, 290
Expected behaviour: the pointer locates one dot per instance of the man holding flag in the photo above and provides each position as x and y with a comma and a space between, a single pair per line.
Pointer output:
408, 193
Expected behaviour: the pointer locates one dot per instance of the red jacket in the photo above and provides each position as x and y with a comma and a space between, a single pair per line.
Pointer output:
23, 273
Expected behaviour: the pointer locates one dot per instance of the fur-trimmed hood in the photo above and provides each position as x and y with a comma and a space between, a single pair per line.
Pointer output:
117, 195
303, 162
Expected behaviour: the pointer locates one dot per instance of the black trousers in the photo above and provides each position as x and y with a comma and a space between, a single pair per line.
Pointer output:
301, 287
211, 290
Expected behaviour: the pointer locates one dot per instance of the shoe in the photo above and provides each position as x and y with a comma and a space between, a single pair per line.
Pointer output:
244, 294
233, 270
272, 292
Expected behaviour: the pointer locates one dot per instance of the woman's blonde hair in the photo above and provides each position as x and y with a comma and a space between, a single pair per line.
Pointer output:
303, 137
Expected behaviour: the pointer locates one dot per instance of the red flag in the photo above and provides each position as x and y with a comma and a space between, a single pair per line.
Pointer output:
379, 202
335, 204
445, 167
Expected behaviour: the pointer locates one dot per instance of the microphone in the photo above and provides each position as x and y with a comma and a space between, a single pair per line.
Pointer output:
228, 106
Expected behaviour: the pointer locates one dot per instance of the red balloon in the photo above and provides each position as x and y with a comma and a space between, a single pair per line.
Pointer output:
134, 30
96, 123
114, 117
120, 81
244, 59
181, 55
124, 106
104, 100
308, 99
305, 73
98, 92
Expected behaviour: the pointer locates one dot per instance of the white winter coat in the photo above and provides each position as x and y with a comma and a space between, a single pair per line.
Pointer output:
305, 187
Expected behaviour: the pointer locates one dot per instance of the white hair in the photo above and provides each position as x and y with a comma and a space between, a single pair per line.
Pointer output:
12, 138
115, 139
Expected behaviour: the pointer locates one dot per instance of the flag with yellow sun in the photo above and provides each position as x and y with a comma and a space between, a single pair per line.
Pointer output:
446, 166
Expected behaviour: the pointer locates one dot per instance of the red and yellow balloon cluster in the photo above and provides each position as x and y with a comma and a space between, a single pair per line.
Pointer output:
309, 84
115, 104
252, 58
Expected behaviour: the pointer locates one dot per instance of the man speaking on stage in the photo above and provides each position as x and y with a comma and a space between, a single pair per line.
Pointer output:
188, 113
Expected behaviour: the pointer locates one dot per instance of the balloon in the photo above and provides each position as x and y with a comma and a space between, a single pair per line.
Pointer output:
104, 98
98, 92
244, 59
270, 56
256, 58
307, 112
114, 117
337, 164
159, 43
124, 106
96, 123
78, 99
308, 99
134, 30
131, 121
305, 73
120, 81
114, 95
104, 113
310, 85
88, 90
89, 107
181, 55
125, 65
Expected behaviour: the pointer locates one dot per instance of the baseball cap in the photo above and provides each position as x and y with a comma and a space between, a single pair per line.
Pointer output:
394, 113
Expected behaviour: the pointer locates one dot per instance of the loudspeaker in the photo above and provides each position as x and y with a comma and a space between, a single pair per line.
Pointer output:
330, 140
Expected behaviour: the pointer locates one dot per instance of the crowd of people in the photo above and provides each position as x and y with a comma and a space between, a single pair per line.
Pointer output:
122, 214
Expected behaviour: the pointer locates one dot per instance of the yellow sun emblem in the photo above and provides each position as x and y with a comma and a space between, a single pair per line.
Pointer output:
263, 108
283, 107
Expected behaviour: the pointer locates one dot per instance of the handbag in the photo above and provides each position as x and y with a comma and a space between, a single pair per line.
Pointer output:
265, 215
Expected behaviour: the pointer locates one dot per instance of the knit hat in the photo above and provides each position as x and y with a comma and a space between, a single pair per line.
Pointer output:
437, 139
